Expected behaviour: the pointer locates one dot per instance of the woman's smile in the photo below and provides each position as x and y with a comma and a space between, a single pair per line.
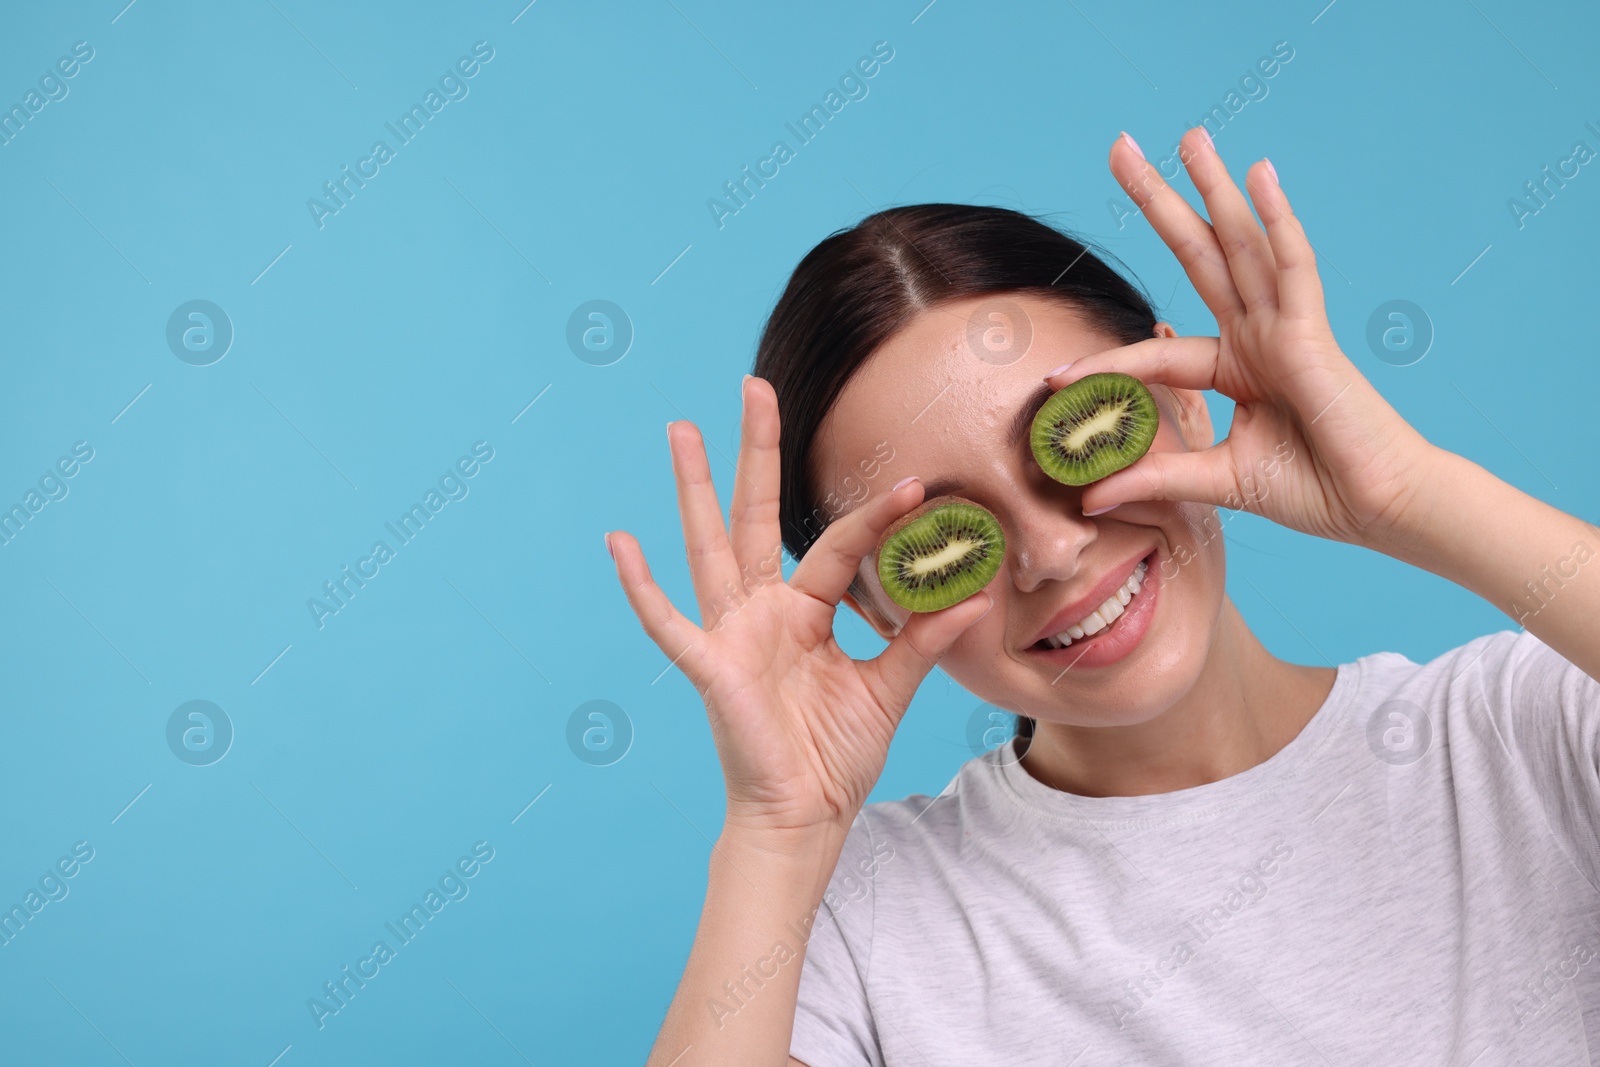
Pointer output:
1106, 624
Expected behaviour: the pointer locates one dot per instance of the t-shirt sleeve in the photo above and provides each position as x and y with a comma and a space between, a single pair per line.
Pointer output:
833, 1024
1549, 714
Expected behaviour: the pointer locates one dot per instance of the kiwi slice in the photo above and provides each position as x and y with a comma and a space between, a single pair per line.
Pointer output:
939, 554
1096, 426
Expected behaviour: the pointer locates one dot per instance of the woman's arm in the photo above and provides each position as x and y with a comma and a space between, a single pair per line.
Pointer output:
802, 730
760, 896
1529, 559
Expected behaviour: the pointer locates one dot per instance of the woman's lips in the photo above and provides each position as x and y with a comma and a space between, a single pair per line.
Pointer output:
1079, 610
1121, 637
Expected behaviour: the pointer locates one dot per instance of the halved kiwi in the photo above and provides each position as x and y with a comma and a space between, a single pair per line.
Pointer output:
1094, 427
939, 554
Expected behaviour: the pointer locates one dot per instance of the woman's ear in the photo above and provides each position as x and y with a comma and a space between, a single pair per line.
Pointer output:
1193, 418
862, 605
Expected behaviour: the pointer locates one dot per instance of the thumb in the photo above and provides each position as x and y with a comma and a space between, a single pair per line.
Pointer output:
895, 674
1205, 476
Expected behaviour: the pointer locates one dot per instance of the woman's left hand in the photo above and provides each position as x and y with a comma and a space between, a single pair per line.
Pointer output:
1313, 445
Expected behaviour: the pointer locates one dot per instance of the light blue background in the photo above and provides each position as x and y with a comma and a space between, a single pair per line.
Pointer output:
431, 310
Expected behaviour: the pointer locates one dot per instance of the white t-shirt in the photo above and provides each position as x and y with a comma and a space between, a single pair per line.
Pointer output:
1411, 880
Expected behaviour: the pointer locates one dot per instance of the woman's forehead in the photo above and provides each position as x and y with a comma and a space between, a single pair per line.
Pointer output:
933, 387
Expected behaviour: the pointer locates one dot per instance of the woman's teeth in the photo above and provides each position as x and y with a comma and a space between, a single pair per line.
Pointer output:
1105, 614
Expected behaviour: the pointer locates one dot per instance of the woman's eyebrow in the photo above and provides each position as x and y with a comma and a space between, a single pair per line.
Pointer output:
1021, 426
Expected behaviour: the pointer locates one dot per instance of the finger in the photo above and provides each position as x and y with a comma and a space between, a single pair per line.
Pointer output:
1181, 362
1188, 235
681, 640
896, 672
1206, 476
757, 540
1243, 240
712, 567
831, 564
1299, 284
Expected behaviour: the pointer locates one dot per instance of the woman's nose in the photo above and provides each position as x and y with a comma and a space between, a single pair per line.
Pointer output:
1047, 545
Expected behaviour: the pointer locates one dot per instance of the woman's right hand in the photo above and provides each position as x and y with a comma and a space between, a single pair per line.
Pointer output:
801, 728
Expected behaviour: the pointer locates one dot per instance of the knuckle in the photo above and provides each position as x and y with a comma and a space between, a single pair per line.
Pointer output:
1236, 244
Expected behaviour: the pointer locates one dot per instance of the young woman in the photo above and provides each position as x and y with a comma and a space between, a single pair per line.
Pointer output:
1194, 852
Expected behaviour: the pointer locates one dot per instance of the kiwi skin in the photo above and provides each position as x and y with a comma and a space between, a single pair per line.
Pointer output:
1105, 452
929, 527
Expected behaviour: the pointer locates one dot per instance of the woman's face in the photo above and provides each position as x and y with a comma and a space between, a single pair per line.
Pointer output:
951, 400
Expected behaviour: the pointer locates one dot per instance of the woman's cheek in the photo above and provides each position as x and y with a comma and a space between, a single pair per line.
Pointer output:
1172, 565
978, 641
1200, 541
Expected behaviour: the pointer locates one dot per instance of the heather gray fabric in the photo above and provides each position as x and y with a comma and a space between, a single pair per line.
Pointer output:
1411, 880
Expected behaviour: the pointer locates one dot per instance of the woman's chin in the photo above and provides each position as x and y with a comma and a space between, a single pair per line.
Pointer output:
1144, 684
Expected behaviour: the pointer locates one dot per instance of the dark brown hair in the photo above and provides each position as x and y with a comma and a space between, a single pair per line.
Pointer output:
854, 290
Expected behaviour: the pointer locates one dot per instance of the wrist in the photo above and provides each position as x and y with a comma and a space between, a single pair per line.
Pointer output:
779, 845
1462, 519
799, 857
1411, 530
785, 829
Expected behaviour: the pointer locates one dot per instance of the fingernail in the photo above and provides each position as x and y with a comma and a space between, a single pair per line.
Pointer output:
1271, 169
1098, 511
1058, 370
1132, 143
1209, 141
902, 483
609, 550
988, 609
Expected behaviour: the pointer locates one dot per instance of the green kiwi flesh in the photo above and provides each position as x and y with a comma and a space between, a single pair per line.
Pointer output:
940, 554
1094, 427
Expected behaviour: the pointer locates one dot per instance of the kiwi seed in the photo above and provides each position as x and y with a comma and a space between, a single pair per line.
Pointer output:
939, 554
1094, 427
